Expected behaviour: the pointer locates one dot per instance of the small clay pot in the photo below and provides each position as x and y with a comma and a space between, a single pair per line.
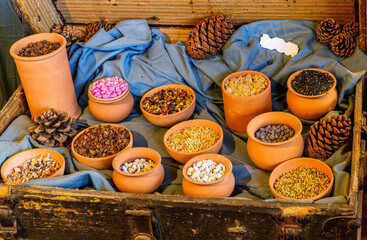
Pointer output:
145, 182
222, 187
113, 109
239, 110
183, 157
46, 79
268, 155
298, 162
311, 107
21, 157
170, 119
102, 162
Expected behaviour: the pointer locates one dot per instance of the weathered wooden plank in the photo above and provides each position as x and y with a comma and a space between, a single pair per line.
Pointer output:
190, 12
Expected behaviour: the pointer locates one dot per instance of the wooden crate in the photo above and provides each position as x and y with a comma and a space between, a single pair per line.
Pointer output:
30, 212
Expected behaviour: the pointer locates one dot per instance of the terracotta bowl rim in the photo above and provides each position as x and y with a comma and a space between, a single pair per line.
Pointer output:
318, 162
16, 56
166, 135
109, 100
171, 85
293, 76
9, 161
78, 156
205, 156
117, 168
245, 72
251, 135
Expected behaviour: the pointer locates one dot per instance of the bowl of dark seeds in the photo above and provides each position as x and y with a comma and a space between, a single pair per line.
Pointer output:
97, 145
311, 93
32, 164
138, 170
274, 137
301, 178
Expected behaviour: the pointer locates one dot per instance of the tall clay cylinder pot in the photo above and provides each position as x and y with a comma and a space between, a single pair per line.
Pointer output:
46, 79
239, 110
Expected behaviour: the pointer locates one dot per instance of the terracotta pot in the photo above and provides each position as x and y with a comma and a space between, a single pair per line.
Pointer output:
311, 107
239, 110
170, 119
145, 182
46, 79
113, 109
268, 155
298, 162
222, 187
183, 157
102, 162
21, 157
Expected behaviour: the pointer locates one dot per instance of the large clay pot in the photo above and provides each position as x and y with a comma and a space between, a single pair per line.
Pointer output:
222, 187
145, 182
239, 110
46, 79
113, 109
311, 107
268, 155
169, 119
298, 162
19, 158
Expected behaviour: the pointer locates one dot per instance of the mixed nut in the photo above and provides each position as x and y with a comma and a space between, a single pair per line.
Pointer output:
139, 165
206, 171
248, 85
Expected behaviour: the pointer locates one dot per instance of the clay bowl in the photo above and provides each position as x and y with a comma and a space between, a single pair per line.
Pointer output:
268, 155
222, 187
298, 162
239, 110
183, 157
102, 162
113, 109
21, 157
311, 107
170, 119
145, 182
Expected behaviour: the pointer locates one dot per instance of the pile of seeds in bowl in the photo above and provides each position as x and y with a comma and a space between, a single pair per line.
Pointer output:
35, 168
38, 48
248, 85
311, 83
167, 101
274, 133
107, 88
206, 171
301, 183
139, 165
193, 139
102, 141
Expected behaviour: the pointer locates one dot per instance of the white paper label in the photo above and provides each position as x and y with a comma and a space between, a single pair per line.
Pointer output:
288, 48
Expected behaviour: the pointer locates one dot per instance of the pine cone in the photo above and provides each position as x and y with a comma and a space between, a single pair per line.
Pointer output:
351, 29
209, 36
326, 30
72, 34
53, 129
93, 27
343, 45
327, 136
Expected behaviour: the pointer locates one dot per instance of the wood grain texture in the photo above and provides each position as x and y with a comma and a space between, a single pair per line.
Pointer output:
190, 12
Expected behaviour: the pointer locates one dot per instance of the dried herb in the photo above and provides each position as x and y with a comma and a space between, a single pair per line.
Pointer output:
39, 48
248, 85
311, 83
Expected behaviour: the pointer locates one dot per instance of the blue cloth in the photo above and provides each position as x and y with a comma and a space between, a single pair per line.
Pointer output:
132, 51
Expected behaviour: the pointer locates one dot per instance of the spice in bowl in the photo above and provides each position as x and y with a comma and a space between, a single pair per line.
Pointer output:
301, 183
101, 141
107, 88
274, 133
206, 171
139, 165
248, 85
192, 139
35, 168
167, 101
38, 48
311, 83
